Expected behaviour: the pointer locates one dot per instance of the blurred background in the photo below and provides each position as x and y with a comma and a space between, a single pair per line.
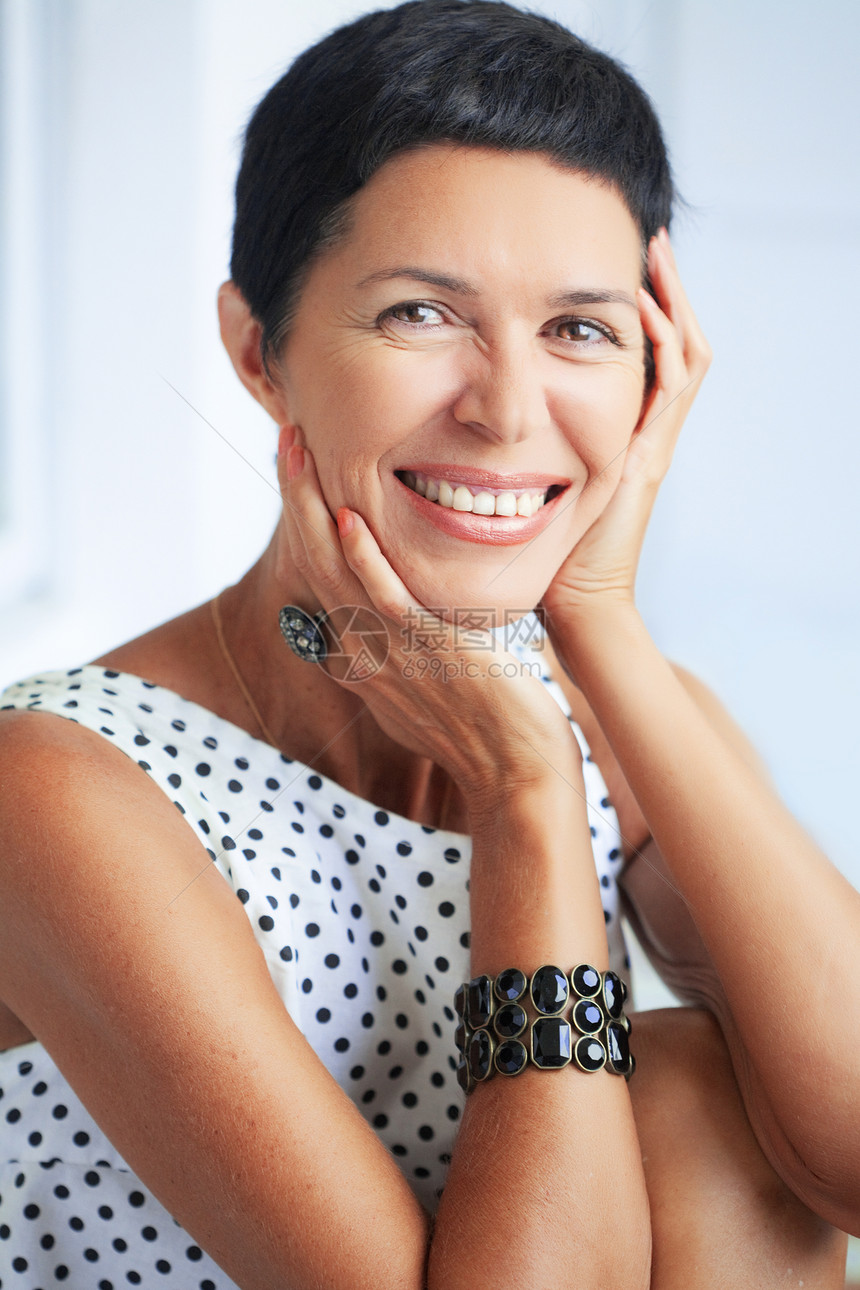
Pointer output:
136, 476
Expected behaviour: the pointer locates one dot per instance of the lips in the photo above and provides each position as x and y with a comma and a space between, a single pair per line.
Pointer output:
480, 493
480, 506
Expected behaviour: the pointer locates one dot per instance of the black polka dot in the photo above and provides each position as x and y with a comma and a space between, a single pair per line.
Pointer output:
354, 883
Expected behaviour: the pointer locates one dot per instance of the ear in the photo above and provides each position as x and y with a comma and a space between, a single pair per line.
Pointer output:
241, 334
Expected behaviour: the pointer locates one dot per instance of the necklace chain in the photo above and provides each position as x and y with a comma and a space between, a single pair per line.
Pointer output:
215, 607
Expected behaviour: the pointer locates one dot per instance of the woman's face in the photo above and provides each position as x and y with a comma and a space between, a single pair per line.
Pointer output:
474, 338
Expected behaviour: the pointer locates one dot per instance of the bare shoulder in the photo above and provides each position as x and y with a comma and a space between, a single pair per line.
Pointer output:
77, 814
127, 955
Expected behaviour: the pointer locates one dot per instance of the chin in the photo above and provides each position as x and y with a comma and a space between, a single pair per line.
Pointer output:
462, 595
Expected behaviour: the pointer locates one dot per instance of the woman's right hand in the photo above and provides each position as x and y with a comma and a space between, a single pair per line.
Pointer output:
472, 708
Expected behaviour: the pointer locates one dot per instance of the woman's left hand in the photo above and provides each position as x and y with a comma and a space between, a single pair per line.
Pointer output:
602, 566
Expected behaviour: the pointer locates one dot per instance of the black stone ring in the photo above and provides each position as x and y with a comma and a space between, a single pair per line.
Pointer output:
303, 633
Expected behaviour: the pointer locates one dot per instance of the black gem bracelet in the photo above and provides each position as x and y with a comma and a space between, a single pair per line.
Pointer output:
551, 1020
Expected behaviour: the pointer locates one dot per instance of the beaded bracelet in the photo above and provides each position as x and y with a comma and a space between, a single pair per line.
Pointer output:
494, 1015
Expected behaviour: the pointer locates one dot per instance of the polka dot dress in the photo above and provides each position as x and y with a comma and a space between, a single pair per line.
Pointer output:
363, 918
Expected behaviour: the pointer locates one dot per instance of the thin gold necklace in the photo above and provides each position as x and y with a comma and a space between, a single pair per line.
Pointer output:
215, 607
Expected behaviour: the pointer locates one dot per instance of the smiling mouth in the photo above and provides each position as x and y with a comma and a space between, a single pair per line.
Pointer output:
477, 500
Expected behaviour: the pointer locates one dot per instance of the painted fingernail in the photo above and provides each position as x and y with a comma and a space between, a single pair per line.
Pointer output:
295, 461
345, 521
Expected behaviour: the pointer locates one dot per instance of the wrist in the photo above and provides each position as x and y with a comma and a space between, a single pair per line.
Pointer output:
534, 894
587, 633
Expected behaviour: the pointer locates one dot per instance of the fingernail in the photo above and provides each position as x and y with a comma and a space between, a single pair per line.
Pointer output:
345, 521
295, 461
286, 439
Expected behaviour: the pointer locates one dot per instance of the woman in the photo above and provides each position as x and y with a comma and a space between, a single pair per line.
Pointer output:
445, 216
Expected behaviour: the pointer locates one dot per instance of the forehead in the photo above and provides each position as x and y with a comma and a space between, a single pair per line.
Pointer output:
488, 215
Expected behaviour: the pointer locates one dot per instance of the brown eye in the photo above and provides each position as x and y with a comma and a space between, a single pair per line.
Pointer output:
414, 313
580, 332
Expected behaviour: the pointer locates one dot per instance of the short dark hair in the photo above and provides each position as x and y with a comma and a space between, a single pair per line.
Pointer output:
473, 72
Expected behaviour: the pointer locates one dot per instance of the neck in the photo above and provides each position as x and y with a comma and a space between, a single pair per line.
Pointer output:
307, 714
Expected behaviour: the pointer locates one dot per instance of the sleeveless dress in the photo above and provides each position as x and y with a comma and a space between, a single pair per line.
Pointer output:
363, 919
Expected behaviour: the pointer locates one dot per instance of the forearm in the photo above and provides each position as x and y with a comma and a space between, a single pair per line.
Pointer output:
779, 922
545, 1185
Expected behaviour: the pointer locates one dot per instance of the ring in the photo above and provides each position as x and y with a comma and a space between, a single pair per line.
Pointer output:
303, 633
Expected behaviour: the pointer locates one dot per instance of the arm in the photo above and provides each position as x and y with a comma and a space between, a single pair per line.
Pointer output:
777, 921
165, 1020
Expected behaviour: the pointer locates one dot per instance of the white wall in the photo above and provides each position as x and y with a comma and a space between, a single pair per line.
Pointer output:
136, 505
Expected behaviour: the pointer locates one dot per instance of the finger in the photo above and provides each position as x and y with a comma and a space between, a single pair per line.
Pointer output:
670, 369
697, 352
666, 284
314, 543
386, 589
673, 390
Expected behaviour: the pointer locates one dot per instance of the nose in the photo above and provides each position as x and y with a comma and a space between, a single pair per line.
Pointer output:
503, 395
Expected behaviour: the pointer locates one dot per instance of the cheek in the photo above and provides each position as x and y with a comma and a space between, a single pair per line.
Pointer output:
598, 414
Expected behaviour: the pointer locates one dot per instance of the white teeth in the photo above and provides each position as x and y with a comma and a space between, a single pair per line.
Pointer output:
459, 497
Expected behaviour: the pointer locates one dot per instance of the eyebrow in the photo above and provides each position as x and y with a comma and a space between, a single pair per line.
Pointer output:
559, 300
